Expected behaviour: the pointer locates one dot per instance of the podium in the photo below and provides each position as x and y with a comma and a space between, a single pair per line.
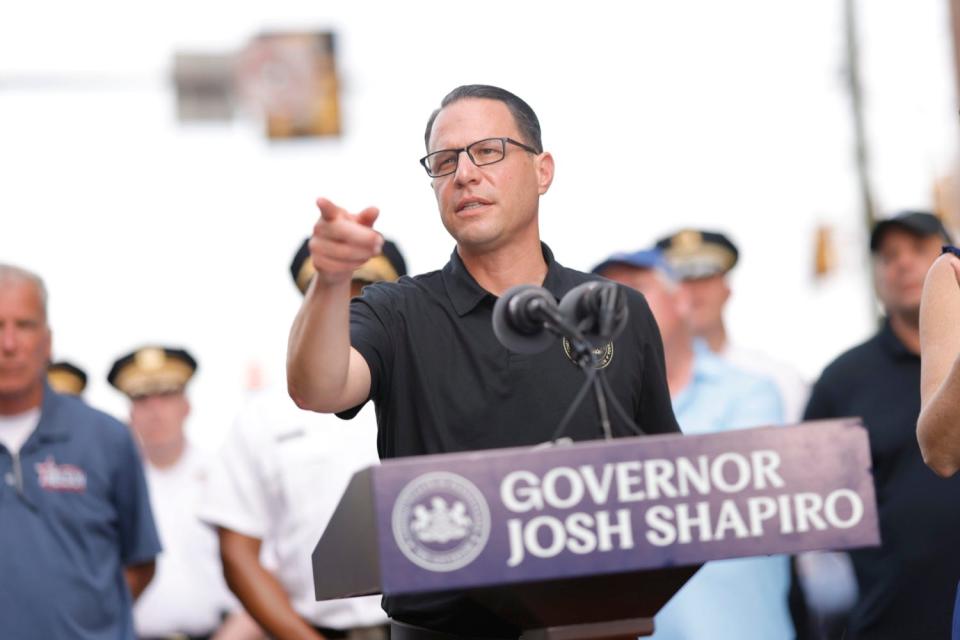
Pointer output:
590, 540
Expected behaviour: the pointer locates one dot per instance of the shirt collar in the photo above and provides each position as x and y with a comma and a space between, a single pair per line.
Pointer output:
465, 293
892, 344
706, 366
50, 427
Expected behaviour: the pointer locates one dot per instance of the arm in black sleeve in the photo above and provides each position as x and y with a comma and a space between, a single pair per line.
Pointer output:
656, 409
821, 406
371, 317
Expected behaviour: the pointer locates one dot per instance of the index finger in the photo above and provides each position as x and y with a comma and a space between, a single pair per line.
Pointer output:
328, 210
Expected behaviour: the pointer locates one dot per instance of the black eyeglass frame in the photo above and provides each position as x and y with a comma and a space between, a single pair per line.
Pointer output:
504, 141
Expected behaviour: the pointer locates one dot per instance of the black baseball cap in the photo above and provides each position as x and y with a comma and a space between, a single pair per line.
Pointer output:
920, 223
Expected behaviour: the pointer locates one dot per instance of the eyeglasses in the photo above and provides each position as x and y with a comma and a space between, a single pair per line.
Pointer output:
481, 153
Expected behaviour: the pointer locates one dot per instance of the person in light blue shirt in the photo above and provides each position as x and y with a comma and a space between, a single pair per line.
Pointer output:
737, 599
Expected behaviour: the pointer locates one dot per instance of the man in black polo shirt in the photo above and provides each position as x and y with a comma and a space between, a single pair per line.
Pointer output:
907, 584
423, 348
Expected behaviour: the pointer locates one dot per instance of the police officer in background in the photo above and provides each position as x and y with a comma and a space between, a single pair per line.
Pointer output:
703, 261
188, 597
275, 485
66, 377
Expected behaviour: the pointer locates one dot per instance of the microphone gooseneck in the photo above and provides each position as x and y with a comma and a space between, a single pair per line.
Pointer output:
527, 318
598, 308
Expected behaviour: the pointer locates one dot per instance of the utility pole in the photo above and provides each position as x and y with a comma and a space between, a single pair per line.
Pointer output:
861, 151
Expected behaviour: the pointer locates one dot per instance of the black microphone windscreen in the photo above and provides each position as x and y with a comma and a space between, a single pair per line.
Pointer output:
598, 308
518, 320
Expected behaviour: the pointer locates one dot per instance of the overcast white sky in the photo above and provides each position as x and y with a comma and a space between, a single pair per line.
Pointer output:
725, 115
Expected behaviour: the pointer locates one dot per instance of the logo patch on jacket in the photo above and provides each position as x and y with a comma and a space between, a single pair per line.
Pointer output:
60, 477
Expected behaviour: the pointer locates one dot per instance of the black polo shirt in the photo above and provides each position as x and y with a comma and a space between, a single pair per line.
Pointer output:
907, 585
442, 382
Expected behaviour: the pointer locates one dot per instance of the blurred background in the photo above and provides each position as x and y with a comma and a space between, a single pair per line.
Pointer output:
159, 162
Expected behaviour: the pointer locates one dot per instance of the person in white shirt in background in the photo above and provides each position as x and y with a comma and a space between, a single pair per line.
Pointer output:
276, 484
188, 597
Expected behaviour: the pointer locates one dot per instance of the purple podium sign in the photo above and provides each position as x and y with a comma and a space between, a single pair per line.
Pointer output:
619, 510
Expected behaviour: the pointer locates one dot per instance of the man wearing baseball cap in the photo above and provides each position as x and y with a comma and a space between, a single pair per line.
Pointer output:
906, 586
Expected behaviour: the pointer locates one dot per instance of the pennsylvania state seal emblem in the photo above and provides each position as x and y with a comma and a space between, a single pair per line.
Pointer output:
441, 521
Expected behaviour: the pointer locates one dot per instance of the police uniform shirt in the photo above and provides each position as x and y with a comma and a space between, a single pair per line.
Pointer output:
278, 478
442, 382
188, 593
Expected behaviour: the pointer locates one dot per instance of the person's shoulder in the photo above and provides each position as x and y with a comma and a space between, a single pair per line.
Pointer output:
735, 377
754, 360
89, 425
766, 365
576, 277
851, 362
82, 416
635, 299
403, 291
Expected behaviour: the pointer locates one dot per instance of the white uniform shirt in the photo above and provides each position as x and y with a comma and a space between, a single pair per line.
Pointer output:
279, 477
188, 593
794, 391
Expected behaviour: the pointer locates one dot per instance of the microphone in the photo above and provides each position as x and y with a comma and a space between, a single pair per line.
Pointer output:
598, 308
521, 317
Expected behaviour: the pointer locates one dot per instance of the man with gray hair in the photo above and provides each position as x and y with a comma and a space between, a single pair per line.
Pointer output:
737, 599
77, 538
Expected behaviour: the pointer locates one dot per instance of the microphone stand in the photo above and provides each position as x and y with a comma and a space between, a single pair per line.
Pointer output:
583, 356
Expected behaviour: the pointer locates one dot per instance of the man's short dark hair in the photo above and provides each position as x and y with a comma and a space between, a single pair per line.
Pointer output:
526, 119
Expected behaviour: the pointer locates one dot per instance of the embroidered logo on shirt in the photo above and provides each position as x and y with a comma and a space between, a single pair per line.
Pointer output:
60, 477
602, 355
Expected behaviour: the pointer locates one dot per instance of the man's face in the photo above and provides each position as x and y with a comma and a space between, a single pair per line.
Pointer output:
24, 345
667, 309
158, 419
900, 264
486, 207
708, 296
